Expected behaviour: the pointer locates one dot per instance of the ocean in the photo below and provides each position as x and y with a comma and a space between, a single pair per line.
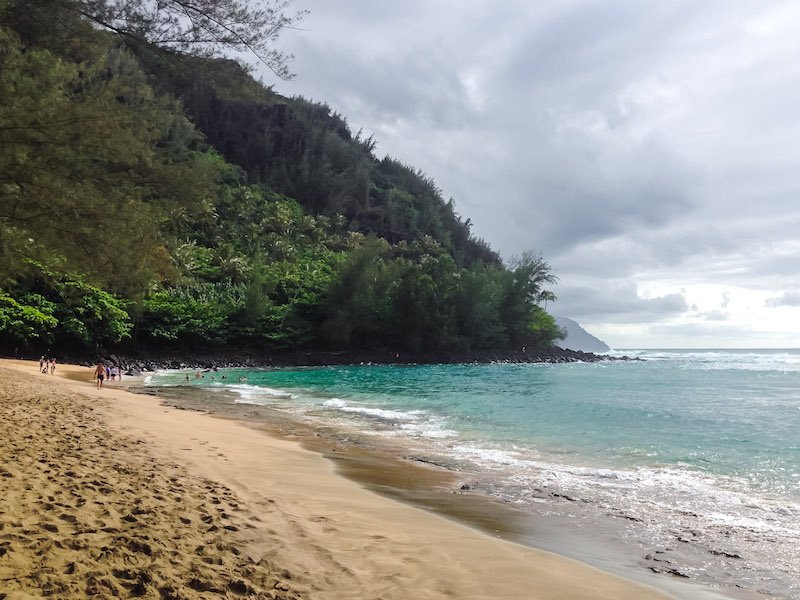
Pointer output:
693, 454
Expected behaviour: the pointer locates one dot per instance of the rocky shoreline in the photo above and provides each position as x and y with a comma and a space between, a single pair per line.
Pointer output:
152, 361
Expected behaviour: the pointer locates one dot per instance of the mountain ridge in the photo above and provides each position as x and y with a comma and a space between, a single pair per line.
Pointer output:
578, 338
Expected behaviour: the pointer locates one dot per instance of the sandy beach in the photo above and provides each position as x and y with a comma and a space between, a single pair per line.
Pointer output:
109, 493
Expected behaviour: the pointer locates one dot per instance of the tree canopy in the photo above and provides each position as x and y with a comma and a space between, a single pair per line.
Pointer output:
152, 194
204, 28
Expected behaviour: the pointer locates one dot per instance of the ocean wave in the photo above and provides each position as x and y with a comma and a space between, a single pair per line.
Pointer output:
261, 389
380, 413
257, 394
737, 360
713, 500
412, 422
431, 427
489, 456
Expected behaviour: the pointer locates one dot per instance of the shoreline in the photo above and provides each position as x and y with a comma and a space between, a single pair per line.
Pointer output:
335, 538
395, 470
258, 359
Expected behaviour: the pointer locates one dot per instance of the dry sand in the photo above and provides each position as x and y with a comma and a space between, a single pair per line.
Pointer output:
109, 493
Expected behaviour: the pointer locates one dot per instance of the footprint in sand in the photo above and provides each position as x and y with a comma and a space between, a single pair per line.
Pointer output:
68, 518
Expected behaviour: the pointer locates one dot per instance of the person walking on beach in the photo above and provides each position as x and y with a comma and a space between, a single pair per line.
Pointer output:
100, 374
41, 364
52, 366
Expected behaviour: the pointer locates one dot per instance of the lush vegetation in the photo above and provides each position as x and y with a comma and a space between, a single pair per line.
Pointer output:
154, 197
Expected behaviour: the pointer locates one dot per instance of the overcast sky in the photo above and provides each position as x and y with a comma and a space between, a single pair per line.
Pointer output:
649, 150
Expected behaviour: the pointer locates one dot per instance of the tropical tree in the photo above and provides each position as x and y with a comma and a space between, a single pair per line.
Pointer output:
85, 153
199, 27
531, 274
523, 292
359, 300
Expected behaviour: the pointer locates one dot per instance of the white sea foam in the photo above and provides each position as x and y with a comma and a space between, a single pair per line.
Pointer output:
711, 500
372, 411
256, 394
261, 390
431, 427
713, 360
487, 455
407, 423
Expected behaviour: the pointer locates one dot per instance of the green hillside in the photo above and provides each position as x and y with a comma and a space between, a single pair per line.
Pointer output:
154, 197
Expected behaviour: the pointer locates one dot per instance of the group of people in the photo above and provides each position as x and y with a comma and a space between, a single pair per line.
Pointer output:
47, 365
199, 375
104, 372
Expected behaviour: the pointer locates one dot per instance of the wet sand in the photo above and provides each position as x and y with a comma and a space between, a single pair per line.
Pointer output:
112, 493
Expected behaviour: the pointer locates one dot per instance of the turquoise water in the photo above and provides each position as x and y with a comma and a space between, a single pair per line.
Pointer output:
692, 448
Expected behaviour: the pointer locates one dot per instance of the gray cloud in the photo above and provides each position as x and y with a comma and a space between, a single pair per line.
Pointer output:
713, 315
785, 299
617, 303
705, 333
622, 139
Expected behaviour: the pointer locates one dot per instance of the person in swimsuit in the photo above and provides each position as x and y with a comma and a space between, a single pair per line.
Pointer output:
100, 374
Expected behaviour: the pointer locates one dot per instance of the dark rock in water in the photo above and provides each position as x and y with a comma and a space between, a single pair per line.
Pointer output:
725, 554
428, 461
564, 496
630, 518
673, 572
133, 372
466, 486
656, 559
251, 358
